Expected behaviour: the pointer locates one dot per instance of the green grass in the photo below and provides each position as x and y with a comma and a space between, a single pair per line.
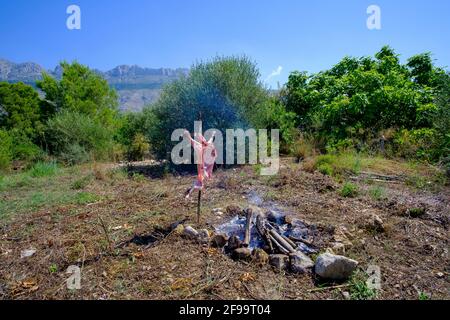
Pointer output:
138, 177
39, 199
15, 181
43, 169
416, 212
423, 296
257, 169
36, 177
53, 268
349, 190
359, 289
81, 183
338, 164
43, 186
325, 169
418, 175
432, 181
84, 198
377, 193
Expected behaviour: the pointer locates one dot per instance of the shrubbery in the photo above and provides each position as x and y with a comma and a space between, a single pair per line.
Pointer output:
20, 109
353, 103
370, 104
349, 190
75, 138
5, 150
133, 133
224, 93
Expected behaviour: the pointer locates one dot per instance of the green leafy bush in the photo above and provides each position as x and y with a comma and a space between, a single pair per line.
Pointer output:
224, 93
24, 149
139, 147
423, 296
81, 91
419, 143
303, 146
5, 150
74, 154
325, 169
75, 138
358, 98
328, 159
133, 134
272, 114
359, 290
349, 190
20, 109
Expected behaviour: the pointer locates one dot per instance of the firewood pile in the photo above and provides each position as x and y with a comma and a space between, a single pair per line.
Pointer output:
279, 250
269, 238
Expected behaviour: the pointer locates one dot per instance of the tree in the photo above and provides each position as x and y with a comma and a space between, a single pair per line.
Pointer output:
441, 120
421, 67
81, 90
360, 97
5, 150
133, 133
86, 114
223, 93
20, 109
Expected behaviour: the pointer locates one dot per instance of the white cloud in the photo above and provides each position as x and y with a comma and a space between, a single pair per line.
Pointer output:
275, 73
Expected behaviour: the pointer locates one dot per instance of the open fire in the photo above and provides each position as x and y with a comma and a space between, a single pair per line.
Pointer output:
264, 232
295, 232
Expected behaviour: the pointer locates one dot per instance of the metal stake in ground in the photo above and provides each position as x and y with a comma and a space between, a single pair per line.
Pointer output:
199, 205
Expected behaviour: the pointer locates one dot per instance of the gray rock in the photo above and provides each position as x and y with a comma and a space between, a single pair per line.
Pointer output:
203, 235
27, 253
234, 242
279, 261
300, 263
337, 248
260, 256
219, 241
190, 232
217, 211
242, 254
334, 267
377, 223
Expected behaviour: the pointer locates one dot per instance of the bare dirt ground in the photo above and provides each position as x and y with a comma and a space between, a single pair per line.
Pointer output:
148, 263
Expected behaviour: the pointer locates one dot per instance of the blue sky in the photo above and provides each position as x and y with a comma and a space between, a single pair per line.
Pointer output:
280, 36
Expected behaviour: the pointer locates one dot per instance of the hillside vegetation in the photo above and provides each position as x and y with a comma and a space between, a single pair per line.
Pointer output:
374, 105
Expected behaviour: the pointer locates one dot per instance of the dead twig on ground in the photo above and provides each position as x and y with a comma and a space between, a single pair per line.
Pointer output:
210, 285
331, 288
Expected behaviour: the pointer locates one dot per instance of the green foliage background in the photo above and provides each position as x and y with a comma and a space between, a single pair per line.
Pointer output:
355, 102
372, 104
